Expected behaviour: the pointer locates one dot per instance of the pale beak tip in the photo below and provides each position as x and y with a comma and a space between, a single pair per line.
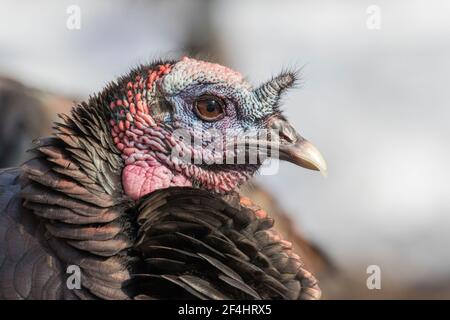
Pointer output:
321, 164
305, 154
324, 172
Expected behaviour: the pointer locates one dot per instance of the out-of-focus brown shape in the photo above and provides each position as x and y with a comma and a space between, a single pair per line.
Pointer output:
335, 282
26, 114
315, 259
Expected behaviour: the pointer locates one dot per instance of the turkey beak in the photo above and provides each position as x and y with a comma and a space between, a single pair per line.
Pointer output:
296, 149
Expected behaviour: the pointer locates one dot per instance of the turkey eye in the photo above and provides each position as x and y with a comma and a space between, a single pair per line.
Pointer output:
209, 108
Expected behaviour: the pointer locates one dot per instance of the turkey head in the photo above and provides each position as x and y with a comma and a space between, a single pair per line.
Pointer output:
194, 123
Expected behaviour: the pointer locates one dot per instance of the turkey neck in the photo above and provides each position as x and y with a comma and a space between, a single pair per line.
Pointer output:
73, 186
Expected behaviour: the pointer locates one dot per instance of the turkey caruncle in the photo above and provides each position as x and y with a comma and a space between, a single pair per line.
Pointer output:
107, 194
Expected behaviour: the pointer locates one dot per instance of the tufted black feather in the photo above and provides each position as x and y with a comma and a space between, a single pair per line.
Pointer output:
210, 248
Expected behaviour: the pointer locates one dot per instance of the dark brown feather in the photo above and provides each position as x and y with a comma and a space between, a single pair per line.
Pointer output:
241, 256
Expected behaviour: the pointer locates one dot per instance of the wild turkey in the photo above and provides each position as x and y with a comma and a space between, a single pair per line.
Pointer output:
107, 193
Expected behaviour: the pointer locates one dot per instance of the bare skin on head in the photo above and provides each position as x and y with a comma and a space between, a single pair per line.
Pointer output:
197, 97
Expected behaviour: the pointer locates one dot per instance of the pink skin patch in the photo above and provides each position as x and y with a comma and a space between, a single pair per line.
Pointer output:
132, 133
141, 178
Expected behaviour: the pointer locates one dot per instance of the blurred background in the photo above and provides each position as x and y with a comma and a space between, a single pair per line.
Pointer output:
375, 99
